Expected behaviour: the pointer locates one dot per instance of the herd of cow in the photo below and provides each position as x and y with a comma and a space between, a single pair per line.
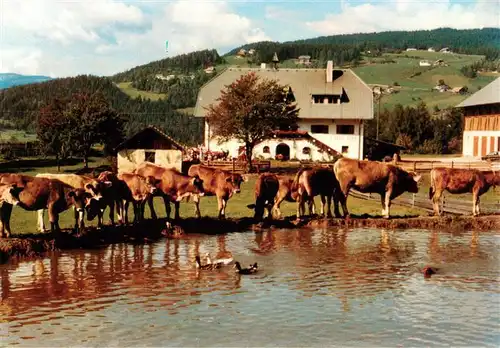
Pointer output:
86, 194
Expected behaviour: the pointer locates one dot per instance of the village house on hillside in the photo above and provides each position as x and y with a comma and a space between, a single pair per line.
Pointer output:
482, 121
334, 104
305, 60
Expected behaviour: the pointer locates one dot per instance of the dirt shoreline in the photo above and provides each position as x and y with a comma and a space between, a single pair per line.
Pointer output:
35, 245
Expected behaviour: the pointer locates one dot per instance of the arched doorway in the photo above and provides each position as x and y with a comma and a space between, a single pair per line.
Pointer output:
283, 152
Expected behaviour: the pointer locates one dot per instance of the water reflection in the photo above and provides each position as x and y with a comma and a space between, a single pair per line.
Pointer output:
361, 280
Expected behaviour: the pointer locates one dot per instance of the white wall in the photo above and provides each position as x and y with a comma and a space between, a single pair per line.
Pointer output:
468, 142
296, 146
128, 160
354, 142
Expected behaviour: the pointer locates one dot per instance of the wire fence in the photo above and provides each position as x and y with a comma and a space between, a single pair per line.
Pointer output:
447, 204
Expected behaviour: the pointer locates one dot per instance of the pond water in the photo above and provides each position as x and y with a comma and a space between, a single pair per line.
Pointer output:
320, 287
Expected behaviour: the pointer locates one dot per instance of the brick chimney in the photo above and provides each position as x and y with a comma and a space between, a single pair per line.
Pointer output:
329, 71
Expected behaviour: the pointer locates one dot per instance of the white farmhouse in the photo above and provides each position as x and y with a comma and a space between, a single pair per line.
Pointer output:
482, 121
334, 104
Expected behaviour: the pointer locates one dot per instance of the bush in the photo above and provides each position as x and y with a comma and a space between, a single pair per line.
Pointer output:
455, 145
429, 147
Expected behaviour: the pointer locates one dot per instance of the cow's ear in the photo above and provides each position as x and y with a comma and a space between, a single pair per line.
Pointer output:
107, 183
417, 177
229, 179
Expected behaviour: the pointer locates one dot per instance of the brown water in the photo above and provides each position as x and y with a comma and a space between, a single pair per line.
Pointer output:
314, 288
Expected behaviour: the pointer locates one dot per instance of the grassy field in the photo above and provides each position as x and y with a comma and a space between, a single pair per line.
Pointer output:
134, 93
16, 136
417, 82
26, 221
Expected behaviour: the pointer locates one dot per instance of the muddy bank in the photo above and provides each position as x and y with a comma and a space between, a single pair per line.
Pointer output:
34, 245
446, 223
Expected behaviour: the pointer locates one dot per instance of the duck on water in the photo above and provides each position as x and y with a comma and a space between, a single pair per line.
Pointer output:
250, 270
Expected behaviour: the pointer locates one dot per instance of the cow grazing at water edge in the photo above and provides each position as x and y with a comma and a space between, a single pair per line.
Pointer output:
85, 182
42, 193
216, 182
458, 181
139, 191
173, 185
270, 191
312, 182
374, 177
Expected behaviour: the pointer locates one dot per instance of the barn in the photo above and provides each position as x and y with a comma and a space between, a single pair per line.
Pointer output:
152, 145
482, 121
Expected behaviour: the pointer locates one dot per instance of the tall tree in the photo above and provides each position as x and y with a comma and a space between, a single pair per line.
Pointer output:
91, 120
52, 131
250, 110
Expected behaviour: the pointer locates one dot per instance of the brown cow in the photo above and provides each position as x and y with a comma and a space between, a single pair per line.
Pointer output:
9, 193
461, 181
310, 182
173, 186
111, 191
374, 177
216, 182
270, 191
85, 182
140, 189
42, 193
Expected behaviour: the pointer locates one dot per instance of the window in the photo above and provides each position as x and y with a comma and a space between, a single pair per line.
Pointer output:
345, 129
149, 156
325, 98
306, 151
319, 128
345, 149
266, 149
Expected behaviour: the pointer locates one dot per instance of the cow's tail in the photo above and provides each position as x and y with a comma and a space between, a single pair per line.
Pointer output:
431, 186
297, 176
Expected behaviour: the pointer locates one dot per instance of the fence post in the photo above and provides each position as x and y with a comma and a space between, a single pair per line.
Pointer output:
413, 200
414, 166
451, 164
234, 164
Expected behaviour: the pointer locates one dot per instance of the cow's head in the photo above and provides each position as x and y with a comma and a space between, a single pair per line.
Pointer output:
10, 193
197, 185
259, 208
412, 180
235, 181
152, 184
79, 198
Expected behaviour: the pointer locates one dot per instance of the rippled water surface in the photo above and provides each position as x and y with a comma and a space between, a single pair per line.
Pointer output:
314, 288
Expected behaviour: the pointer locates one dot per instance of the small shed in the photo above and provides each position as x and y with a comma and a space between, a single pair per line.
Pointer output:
152, 145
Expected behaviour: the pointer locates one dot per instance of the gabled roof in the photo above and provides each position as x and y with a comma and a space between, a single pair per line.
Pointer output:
304, 83
125, 144
489, 94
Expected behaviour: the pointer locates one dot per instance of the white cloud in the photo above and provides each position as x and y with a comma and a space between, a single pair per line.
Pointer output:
106, 36
64, 21
408, 15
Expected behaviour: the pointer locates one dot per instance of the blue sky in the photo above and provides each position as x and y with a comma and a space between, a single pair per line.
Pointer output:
102, 37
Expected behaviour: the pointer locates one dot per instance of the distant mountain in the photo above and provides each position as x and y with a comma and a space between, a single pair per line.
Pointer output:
9, 80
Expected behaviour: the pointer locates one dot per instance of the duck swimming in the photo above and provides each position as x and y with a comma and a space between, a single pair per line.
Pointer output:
252, 269
224, 262
208, 266
428, 271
